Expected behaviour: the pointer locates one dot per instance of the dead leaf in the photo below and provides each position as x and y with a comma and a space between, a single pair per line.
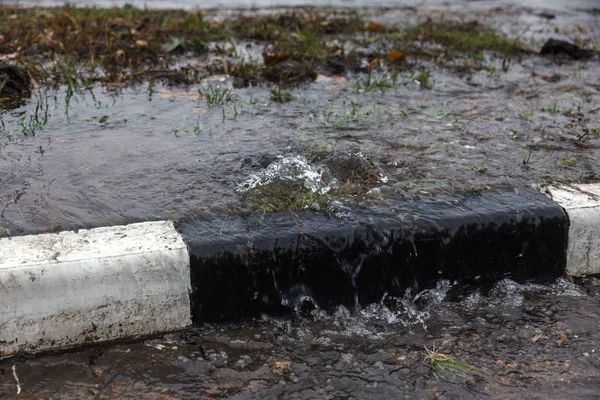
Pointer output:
324, 78
120, 53
375, 63
10, 56
513, 366
562, 338
141, 43
272, 59
164, 92
375, 27
536, 338
394, 55
282, 367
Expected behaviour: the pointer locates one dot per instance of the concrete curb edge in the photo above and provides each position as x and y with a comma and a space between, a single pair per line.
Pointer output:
74, 288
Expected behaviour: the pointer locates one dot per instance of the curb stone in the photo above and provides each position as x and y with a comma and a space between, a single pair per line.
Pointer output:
73, 288
66, 289
582, 204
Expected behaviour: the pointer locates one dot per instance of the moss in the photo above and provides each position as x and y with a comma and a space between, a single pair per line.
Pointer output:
285, 196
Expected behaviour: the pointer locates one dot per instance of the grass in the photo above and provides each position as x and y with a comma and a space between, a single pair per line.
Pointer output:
552, 109
371, 82
278, 95
440, 363
469, 38
290, 196
216, 95
424, 79
28, 124
79, 47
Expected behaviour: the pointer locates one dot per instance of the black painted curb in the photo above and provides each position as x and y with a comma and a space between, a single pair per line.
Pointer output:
276, 262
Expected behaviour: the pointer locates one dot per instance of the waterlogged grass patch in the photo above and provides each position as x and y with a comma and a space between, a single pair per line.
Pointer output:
440, 363
469, 37
372, 82
216, 95
279, 196
424, 79
280, 96
81, 46
127, 42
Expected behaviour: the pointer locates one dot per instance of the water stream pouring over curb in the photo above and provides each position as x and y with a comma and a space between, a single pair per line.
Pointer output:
118, 282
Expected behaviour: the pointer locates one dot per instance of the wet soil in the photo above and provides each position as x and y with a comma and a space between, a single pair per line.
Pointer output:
509, 341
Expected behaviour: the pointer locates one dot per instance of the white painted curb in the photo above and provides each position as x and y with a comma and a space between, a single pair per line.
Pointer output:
582, 205
66, 289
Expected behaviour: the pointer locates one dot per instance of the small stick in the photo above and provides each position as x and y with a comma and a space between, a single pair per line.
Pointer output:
14, 369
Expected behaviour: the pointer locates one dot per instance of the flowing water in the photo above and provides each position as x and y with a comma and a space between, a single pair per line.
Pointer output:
103, 157
514, 341
107, 158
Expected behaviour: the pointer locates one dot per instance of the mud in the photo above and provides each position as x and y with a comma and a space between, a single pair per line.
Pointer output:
518, 341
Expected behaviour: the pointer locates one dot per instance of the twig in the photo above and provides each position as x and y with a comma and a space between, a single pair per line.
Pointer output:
14, 369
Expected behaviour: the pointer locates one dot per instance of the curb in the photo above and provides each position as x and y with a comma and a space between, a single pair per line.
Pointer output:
74, 288
71, 288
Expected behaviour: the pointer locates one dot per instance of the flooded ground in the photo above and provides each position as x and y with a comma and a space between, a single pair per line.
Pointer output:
405, 109
190, 4
441, 114
509, 341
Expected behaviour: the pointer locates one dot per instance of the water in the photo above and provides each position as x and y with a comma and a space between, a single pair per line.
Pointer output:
520, 340
111, 157
114, 158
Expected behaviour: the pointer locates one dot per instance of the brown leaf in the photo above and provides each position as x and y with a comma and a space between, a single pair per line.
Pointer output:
324, 78
10, 56
394, 55
536, 338
272, 59
164, 92
375, 27
282, 367
562, 338
141, 43
375, 63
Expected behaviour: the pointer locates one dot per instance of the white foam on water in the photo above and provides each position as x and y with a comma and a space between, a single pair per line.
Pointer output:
292, 168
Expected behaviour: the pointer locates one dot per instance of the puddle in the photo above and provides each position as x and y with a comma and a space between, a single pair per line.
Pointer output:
517, 341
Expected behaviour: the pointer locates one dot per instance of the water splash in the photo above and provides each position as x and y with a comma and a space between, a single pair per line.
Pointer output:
292, 168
